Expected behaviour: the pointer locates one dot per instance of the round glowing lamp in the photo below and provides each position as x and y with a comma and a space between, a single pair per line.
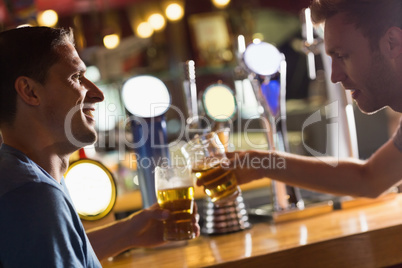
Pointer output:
145, 96
219, 102
262, 58
92, 189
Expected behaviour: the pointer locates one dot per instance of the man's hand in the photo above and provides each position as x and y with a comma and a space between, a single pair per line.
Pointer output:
141, 229
147, 226
246, 165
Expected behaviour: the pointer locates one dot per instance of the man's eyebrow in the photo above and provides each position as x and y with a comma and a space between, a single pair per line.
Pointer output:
76, 61
332, 51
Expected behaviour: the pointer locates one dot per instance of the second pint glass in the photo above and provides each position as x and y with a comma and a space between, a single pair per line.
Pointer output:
175, 192
206, 153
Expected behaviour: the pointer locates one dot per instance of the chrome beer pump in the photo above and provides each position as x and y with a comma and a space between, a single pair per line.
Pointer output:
147, 99
266, 68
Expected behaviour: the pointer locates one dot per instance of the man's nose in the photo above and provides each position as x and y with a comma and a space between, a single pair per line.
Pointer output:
337, 74
94, 92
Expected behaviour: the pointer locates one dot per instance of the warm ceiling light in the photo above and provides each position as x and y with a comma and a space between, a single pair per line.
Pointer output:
220, 3
48, 18
174, 12
111, 41
157, 21
144, 30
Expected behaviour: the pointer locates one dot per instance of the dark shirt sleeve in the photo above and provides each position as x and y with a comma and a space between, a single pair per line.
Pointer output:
39, 228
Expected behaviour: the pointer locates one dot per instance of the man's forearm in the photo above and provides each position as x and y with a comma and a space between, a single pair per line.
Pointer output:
327, 174
109, 240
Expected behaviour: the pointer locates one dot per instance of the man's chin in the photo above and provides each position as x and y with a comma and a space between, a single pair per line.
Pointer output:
91, 139
81, 139
369, 110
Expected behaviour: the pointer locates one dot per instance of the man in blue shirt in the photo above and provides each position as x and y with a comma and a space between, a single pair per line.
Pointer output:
41, 81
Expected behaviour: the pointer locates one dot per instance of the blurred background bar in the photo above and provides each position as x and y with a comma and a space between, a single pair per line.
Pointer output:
189, 46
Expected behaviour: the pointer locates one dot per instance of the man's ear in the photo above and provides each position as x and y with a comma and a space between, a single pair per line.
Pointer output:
393, 39
27, 90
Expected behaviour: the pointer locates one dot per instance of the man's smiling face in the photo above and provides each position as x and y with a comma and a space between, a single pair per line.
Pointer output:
68, 97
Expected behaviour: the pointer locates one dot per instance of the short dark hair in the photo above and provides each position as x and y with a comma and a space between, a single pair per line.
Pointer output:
372, 17
26, 51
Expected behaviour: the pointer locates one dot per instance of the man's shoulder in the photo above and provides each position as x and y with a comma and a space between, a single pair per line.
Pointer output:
33, 195
43, 214
42, 206
16, 171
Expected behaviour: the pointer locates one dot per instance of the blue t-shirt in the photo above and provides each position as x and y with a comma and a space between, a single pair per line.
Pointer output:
39, 226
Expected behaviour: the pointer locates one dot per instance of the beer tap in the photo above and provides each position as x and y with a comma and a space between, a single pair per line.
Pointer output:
267, 73
147, 99
190, 91
193, 122
310, 43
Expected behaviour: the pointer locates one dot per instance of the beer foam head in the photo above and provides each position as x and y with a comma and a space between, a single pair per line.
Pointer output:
204, 146
173, 177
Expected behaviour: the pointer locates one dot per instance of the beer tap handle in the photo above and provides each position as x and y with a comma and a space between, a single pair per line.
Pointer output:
267, 68
308, 35
190, 91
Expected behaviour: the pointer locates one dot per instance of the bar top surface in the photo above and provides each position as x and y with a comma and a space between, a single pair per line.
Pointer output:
366, 235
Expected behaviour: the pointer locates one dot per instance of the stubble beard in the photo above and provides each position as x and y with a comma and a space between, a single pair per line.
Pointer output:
84, 133
79, 133
379, 84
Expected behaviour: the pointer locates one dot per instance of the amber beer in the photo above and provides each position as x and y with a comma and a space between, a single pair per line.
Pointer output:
219, 184
206, 153
180, 202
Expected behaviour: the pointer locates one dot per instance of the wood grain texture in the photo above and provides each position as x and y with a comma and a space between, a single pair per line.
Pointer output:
369, 235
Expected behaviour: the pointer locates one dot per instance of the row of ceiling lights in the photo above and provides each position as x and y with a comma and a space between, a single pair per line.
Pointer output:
174, 11
155, 22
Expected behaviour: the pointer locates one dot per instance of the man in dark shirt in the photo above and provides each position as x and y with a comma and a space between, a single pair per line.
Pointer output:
364, 40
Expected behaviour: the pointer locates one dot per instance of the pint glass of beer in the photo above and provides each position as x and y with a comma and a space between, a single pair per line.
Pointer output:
206, 153
175, 192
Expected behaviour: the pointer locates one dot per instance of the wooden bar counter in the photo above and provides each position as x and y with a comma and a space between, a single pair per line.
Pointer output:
366, 235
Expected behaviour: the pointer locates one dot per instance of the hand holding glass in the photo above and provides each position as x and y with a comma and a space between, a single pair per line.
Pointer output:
175, 192
205, 154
